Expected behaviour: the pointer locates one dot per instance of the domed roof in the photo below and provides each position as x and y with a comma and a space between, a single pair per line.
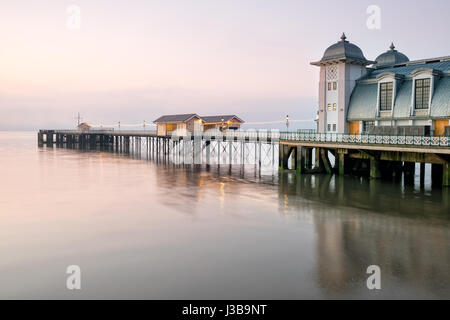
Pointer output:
390, 58
344, 50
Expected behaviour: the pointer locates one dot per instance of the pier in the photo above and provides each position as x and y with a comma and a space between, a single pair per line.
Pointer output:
211, 147
374, 155
377, 156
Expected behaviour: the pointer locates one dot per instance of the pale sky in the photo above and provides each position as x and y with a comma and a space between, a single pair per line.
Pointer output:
135, 60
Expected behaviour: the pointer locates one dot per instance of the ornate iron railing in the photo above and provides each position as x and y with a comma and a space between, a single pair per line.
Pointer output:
408, 140
405, 140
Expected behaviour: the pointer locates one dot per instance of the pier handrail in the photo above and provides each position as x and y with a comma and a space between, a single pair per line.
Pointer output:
274, 135
388, 139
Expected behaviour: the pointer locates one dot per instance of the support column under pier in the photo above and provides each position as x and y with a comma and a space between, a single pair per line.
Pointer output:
208, 152
325, 162
307, 158
284, 153
299, 159
342, 161
375, 172
446, 175
49, 138
303, 159
409, 169
40, 139
281, 156
422, 174
317, 162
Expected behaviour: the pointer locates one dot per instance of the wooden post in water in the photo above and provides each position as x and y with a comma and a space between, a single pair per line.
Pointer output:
281, 157
446, 174
208, 152
422, 174
409, 171
341, 162
50, 138
375, 172
436, 174
218, 152
260, 154
299, 153
40, 139
230, 151
317, 164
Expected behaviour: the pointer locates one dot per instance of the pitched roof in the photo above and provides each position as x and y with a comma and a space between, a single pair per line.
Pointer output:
211, 119
176, 118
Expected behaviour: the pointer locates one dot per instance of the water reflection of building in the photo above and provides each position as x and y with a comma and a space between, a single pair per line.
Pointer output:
362, 223
191, 184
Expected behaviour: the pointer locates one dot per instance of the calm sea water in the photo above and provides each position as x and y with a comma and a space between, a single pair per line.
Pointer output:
144, 230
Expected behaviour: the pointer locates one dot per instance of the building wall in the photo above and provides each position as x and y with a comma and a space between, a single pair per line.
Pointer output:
194, 124
439, 127
218, 125
209, 126
322, 100
348, 74
345, 75
354, 127
161, 129
235, 124
332, 100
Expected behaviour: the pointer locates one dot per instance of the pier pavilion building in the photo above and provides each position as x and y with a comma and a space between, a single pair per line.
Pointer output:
391, 95
183, 123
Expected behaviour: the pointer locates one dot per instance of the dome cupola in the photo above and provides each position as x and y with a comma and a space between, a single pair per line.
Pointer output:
343, 51
390, 58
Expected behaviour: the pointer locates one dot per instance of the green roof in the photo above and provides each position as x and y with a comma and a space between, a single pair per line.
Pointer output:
408, 68
363, 101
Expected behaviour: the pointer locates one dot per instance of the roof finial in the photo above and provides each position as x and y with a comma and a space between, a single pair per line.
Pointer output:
392, 47
343, 37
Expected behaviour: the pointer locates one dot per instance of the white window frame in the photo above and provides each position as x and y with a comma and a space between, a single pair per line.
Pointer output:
420, 74
386, 79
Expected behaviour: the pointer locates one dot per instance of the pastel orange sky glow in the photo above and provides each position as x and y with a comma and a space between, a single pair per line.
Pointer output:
136, 60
